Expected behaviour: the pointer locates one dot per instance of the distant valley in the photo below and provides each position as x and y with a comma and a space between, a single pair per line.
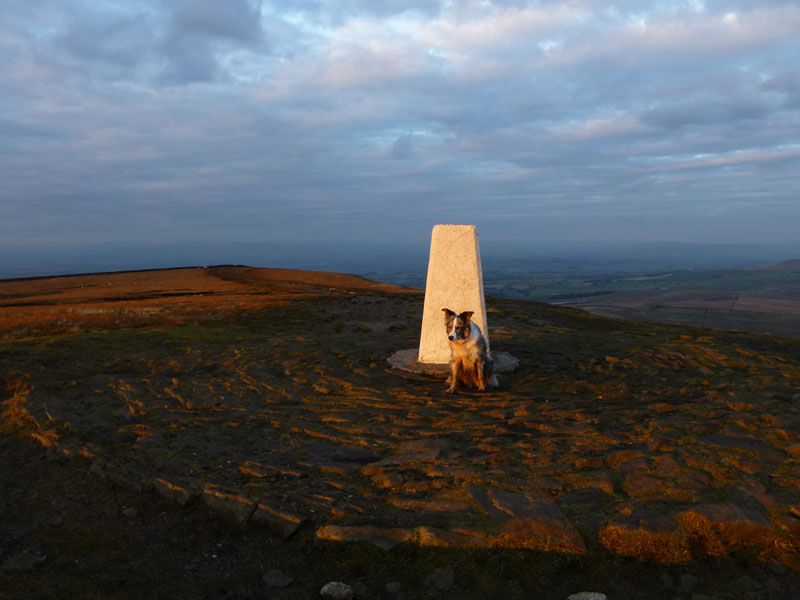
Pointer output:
761, 300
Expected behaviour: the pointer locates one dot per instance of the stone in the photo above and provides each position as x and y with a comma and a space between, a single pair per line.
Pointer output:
394, 587
687, 582
359, 456
231, 506
401, 459
360, 590
281, 523
424, 444
455, 281
389, 481
543, 532
443, 505
439, 580
130, 512
277, 579
336, 590
420, 487
747, 582
481, 496
182, 494
773, 587
432, 536
793, 450
55, 521
598, 481
385, 539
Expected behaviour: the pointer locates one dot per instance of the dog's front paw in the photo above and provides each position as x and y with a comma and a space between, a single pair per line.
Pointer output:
450, 390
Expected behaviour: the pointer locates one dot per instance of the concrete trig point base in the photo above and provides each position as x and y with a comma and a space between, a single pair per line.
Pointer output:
455, 281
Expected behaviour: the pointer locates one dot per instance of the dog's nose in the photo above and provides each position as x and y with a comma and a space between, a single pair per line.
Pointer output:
449, 337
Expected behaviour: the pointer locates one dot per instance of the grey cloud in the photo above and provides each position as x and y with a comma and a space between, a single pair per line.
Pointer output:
606, 134
122, 41
706, 110
236, 20
402, 147
198, 29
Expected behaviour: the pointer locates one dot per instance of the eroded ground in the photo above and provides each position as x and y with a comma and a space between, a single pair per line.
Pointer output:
611, 439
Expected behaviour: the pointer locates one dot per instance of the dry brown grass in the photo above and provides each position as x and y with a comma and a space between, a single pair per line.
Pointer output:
101, 302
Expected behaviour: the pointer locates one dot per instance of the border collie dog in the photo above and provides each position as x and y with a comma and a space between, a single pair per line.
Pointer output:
470, 362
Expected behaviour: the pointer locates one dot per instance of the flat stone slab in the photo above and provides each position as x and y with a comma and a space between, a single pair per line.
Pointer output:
383, 538
406, 360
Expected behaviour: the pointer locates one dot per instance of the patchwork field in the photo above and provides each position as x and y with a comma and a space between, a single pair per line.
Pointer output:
197, 430
765, 300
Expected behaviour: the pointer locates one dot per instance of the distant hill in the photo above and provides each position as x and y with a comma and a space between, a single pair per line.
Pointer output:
786, 265
761, 300
101, 301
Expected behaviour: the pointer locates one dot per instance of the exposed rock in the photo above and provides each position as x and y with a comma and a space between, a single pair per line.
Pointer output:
231, 506
394, 587
277, 579
793, 450
788, 523
647, 538
530, 521
687, 582
402, 459
481, 496
336, 590
130, 512
360, 591
421, 487
599, 481
389, 481
737, 524
182, 494
748, 583
282, 524
543, 532
431, 536
385, 539
439, 580
423, 445
360, 456
443, 505
727, 439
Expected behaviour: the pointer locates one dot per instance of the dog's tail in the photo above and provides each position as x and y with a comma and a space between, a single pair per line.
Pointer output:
490, 371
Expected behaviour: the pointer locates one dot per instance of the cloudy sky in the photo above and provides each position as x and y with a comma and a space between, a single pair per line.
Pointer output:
239, 120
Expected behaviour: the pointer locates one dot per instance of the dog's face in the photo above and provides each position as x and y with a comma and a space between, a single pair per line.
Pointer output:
457, 325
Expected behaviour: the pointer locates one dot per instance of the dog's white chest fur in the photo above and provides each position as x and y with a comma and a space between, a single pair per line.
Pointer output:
471, 346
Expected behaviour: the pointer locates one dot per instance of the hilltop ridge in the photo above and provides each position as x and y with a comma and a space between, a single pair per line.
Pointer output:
620, 456
784, 265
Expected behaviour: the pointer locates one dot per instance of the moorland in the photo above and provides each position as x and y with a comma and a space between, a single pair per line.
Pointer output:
231, 432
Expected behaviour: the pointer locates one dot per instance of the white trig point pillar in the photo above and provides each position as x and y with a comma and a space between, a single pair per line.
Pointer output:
455, 281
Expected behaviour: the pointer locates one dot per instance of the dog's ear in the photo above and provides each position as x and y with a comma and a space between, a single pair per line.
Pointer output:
449, 314
466, 315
